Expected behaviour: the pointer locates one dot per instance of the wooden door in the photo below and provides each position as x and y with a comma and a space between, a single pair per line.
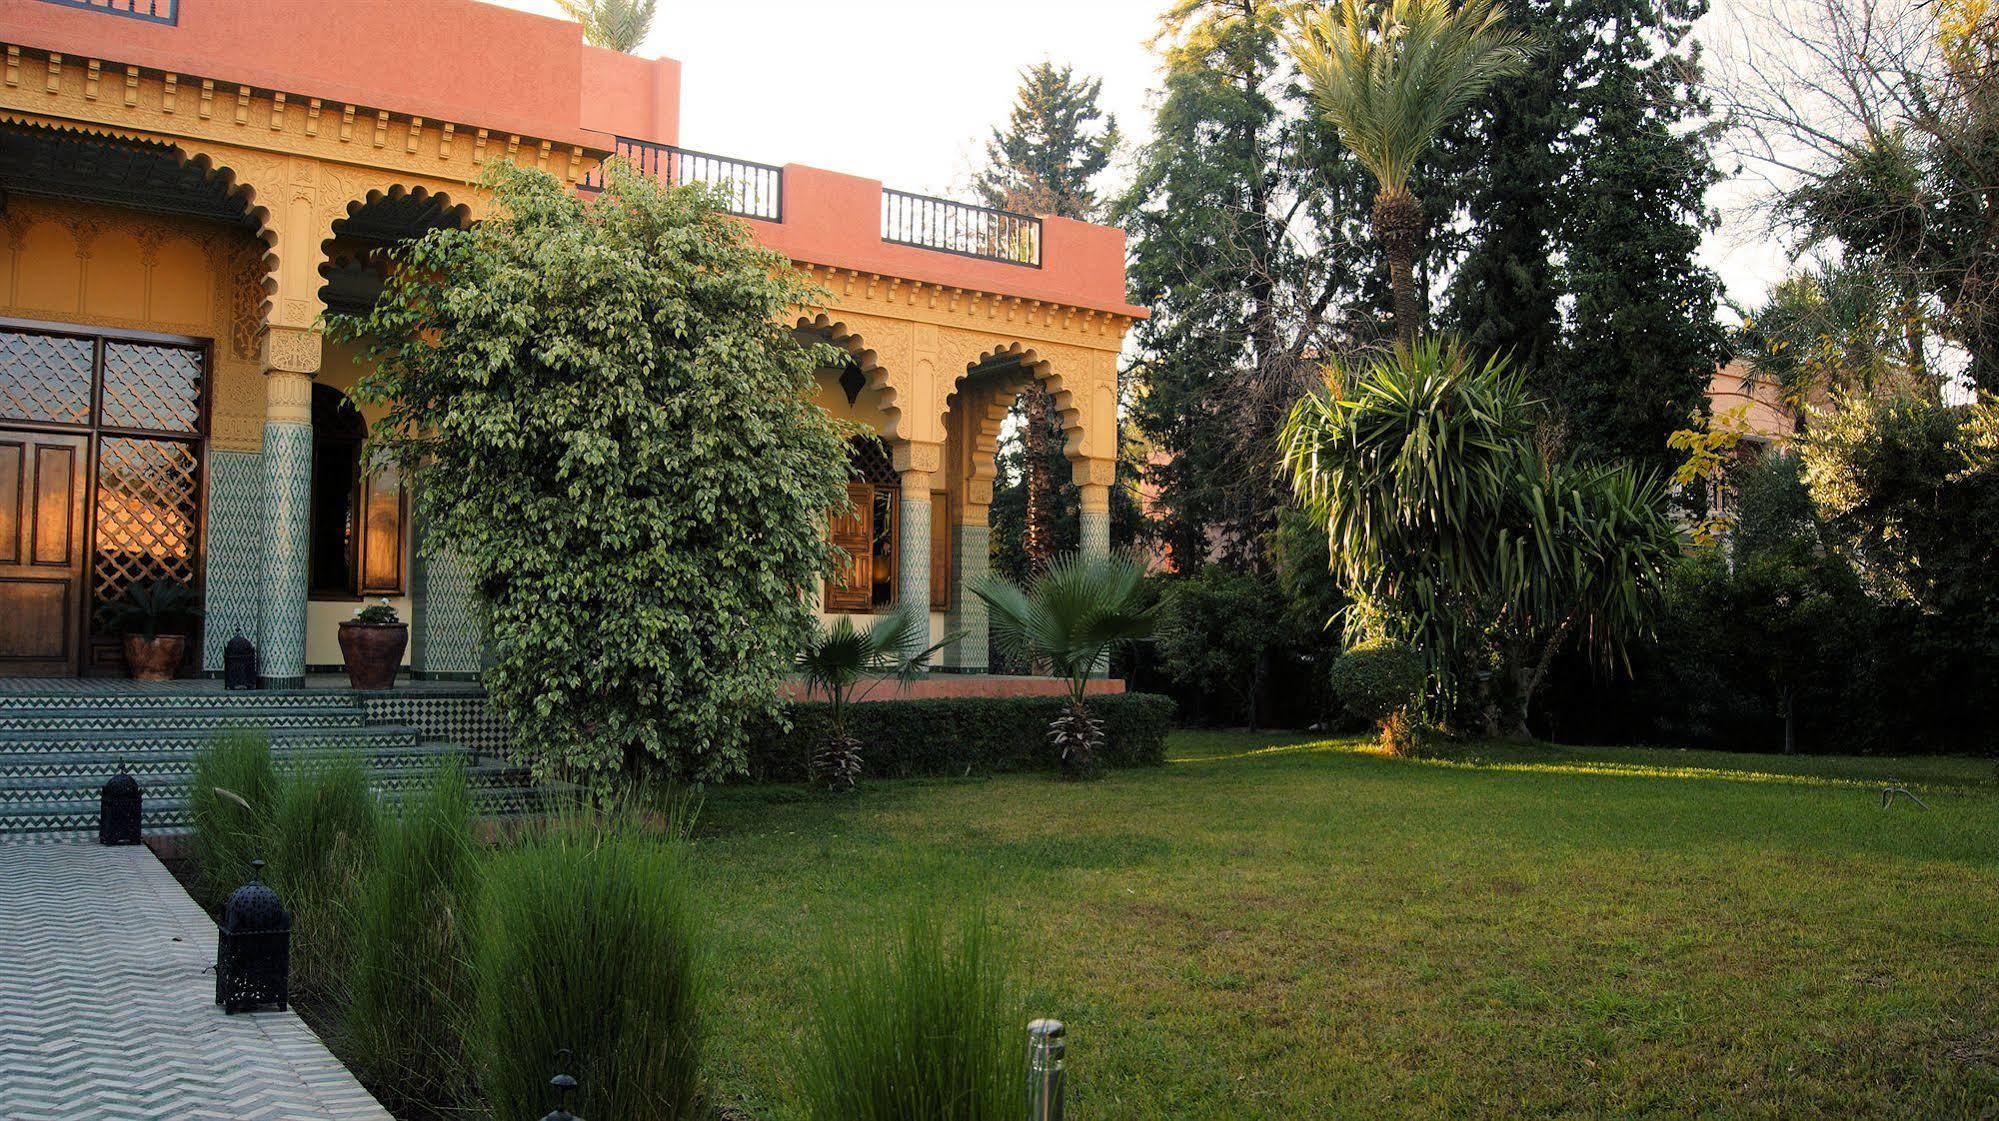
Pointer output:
42, 569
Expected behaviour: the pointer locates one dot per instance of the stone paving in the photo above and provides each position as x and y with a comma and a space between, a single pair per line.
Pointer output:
107, 1005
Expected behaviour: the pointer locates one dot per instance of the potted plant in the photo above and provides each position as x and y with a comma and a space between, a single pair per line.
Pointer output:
372, 645
153, 617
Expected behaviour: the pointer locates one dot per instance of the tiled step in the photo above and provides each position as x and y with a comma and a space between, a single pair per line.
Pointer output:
255, 700
499, 790
137, 743
92, 717
98, 765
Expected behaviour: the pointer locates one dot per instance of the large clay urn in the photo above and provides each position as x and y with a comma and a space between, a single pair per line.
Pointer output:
373, 651
154, 659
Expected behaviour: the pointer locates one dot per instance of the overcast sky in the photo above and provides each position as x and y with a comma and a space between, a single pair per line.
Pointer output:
905, 91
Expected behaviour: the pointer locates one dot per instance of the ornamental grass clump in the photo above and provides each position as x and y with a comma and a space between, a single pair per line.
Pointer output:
410, 986
322, 841
924, 1022
231, 803
587, 957
1381, 681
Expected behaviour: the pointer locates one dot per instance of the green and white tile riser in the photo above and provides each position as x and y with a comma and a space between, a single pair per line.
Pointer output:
57, 748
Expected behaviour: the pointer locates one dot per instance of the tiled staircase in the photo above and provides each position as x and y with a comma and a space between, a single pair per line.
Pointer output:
57, 749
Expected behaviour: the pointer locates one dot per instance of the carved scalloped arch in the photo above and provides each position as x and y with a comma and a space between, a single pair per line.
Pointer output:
1062, 387
878, 376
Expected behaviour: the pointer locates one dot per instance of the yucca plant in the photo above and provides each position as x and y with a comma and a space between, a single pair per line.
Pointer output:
838, 658
1389, 75
1069, 619
1453, 531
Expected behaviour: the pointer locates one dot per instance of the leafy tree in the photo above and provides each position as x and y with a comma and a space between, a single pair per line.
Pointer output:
1240, 213
1390, 76
1833, 328
619, 25
1068, 620
1452, 531
1057, 140
838, 657
607, 425
1219, 628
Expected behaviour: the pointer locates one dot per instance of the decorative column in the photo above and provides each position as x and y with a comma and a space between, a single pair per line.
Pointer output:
446, 641
291, 357
1093, 483
971, 563
916, 464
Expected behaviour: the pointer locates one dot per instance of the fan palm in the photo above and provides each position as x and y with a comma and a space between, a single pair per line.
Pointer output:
620, 25
839, 657
1389, 75
1068, 620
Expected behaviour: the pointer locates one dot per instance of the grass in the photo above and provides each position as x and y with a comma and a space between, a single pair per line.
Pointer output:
1283, 926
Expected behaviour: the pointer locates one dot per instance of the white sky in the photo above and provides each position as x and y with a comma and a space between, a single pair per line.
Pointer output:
906, 91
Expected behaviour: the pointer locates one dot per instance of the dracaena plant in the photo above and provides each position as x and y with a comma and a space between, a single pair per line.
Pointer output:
1069, 619
845, 663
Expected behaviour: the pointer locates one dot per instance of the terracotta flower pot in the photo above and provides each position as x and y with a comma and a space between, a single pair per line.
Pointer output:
373, 652
155, 659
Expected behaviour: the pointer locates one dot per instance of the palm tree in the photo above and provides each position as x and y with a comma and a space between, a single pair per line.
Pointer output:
838, 657
1068, 620
1389, 76
620, 25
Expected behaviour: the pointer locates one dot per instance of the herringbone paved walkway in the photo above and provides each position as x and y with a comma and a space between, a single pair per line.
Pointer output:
106, 1011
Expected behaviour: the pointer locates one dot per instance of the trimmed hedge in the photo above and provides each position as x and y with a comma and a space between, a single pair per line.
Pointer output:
963, 735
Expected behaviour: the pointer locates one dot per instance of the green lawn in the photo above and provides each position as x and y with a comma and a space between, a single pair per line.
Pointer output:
1277, 926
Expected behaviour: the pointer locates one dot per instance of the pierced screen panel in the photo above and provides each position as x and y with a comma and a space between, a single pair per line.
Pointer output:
157, 388
148, 518
45, 377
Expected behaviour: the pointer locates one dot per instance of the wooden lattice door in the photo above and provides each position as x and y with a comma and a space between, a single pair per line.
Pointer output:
133, 409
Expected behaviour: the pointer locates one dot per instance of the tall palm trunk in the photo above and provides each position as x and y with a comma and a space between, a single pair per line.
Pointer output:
1398, 222
1037, 541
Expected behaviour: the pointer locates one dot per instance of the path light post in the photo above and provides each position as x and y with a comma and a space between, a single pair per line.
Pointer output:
1045, 1078
118, 811
253, 948
563, 1085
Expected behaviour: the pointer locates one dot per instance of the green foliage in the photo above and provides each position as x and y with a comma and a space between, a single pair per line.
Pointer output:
411, 985
589, 941
377, 615
1231, 207
1378, 678
962, 735
1831, 328
920, 1023
230, 803
152, 606
839, 655
322, 843
1057, 140
618, 25
1451, 530
1220, 629
609, 424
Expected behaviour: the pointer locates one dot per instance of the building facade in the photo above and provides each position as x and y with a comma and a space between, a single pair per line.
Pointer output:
186, 185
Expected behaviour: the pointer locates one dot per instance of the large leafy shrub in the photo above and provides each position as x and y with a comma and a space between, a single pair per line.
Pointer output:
608, 423
410, 989
588, 941
1219, 631
962, 735
230, 803
923, 1023
1378, 678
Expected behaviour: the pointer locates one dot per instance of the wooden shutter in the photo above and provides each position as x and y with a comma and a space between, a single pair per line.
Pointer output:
383, 545
853, 532
940, 551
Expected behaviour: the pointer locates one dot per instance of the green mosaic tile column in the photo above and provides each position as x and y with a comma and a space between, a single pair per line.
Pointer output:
233, 555
287, 531
971, 561
913, 569
1096, 531
447, 640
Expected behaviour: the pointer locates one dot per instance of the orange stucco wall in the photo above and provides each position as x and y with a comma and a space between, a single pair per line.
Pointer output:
449, 60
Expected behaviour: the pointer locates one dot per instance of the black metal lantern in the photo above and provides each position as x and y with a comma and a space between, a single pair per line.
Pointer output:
253, 949
239, 663
118, 811
563, 1085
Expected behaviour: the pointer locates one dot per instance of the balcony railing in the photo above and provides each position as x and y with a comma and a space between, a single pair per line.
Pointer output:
960, 227
749, 190
152, 11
